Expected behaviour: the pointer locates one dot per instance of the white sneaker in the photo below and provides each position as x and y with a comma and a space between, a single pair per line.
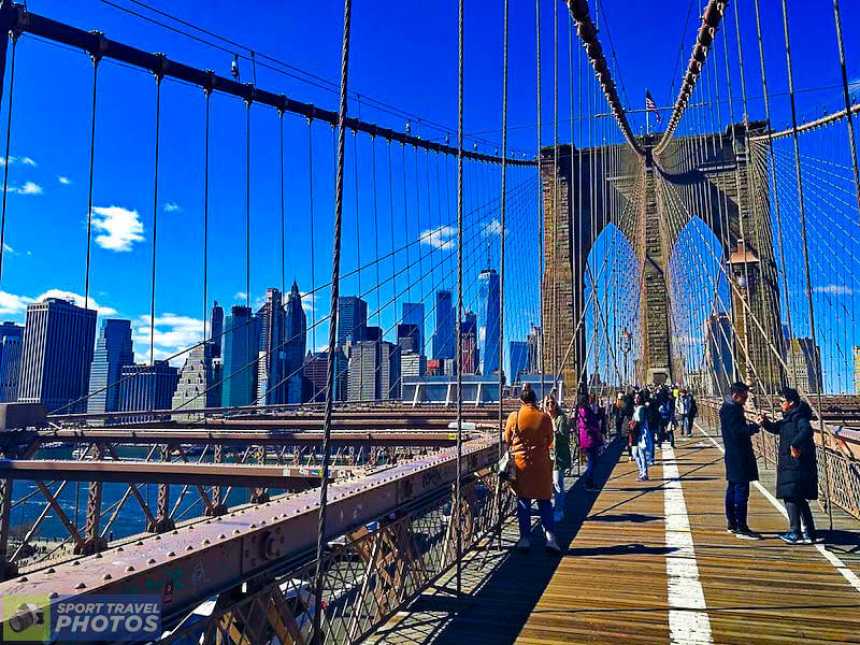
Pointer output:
523, 545
551, 544
558, 515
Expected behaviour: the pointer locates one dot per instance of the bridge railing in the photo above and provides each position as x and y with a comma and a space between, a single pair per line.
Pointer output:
838, 470
368, 575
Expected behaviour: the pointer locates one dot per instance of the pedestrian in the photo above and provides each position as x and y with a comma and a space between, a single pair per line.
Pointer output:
562, 461
529, 435
652, 413
741, 466
797, 466
590, 438
686, 411
667, 429
640, 436
618, 415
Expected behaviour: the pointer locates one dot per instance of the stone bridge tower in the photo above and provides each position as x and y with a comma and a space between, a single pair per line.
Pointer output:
719, 178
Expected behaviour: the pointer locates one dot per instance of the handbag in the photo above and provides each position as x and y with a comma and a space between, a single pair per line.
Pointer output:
507, 467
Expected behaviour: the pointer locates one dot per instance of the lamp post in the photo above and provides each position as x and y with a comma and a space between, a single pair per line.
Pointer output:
626, 346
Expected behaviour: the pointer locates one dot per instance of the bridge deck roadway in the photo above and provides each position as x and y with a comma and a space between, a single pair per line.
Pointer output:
651, 562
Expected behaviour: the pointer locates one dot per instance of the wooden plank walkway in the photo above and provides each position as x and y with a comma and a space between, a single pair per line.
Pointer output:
650, 562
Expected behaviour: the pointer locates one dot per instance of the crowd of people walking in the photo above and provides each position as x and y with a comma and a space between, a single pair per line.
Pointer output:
545, 442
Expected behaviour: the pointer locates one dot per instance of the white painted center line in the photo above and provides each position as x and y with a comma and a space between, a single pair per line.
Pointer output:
838, 564
688, 620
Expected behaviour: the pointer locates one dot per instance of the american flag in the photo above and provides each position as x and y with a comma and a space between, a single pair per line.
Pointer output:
651, 106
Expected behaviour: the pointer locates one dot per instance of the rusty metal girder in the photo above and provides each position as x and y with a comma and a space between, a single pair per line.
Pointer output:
215, 554
148, 472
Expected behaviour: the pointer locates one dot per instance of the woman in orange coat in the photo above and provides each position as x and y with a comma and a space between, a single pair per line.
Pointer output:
529, 435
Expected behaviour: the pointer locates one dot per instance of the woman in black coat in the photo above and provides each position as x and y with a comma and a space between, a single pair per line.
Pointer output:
797, 468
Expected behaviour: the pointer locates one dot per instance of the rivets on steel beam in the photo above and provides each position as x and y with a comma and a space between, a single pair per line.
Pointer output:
53, 595
171, 554
222, 536
51, 570
129, 568
236, 531
107, 576
76, 563
206, 542
253, 526
151, 561
120, 549
98, 556
23, 579
139, 543
80, 585
157, 537
189, 548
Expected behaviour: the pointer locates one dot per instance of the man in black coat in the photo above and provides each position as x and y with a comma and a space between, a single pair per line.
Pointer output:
741, 466
797, 467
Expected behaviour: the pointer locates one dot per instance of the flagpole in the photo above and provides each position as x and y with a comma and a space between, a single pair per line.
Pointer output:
647, 122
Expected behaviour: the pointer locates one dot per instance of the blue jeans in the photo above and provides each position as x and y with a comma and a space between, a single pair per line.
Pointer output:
641, 457
649, 445
737, 499
558, 490
524, 513
686, 425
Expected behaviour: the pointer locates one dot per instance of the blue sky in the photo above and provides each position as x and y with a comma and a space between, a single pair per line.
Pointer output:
403, 54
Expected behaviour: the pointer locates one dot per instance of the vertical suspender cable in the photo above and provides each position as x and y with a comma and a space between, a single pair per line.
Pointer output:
158, 78
502, 213
312, 290
283, 207
459, 360
332, 331
6, 156
556, 367
90, 180
207, 95
541, 342
847, 96
248, 202
805, 247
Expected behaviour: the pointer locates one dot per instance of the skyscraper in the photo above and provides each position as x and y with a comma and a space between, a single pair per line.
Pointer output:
217, 327
518, 351
57, 353
804, 365
316, 372
856, 369
147, 387
295, 345
113, 352
351, 319
407, 337
197, 387
488, 320
270, 364
11, 340
413, 314
374, 371
471, 353
443, 337
239, 358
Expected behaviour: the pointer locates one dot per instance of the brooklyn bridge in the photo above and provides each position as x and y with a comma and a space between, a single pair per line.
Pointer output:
325, 458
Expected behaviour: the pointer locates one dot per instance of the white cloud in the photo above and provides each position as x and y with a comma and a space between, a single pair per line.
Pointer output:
8, 249
308, 301
78, 299
441, 237
119, 228
173, 333
172, 207
493, 227
64, 180
12, 304
834, 290
29, 161
29, 188
240, 295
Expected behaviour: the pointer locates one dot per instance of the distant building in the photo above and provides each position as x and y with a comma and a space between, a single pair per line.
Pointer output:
488, 320
518, 351
373, 334
113, 352
413, 314
435, 367
295, 345
198, 385
11, 343
57, 328
470, 358
535, 347
374, 371
718, 358
270, 357
351, 319
316, 372
408, 338
443, 337
804, 365
856, 369
144, 388
412, 364
239, 358
216, 323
